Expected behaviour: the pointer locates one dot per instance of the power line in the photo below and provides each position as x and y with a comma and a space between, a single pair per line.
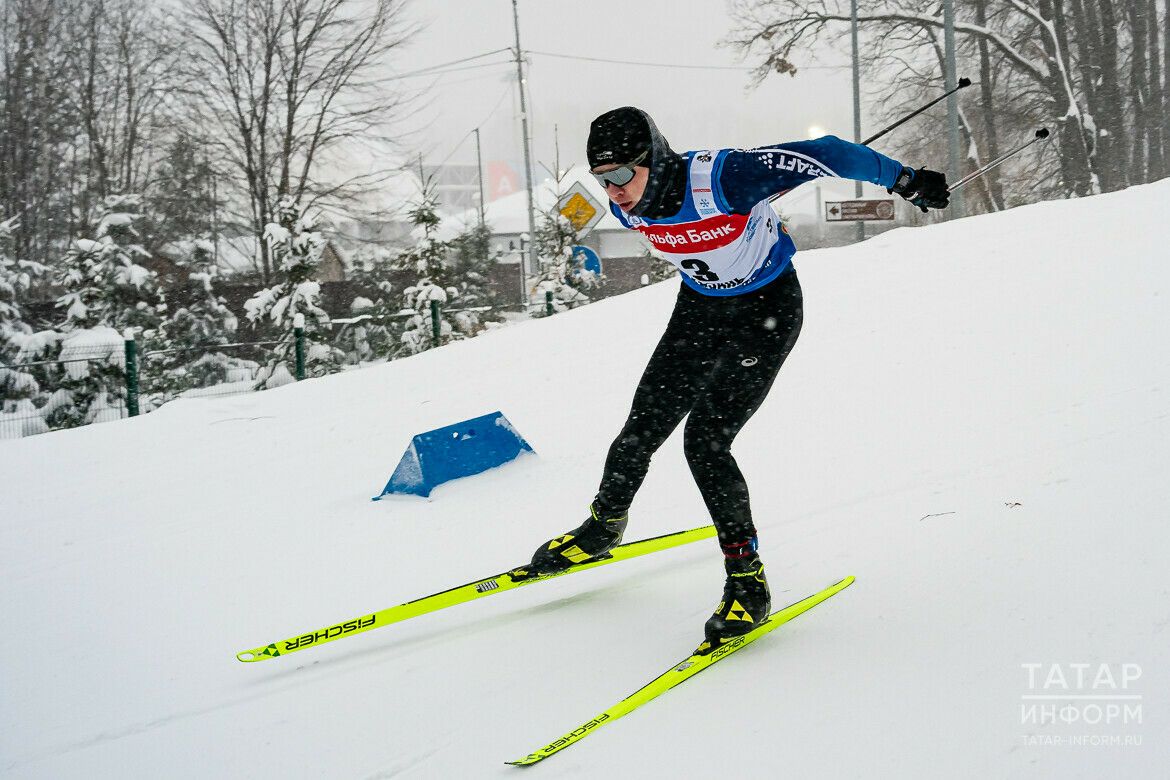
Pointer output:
421, 71
444, 67
451, 154
631, 62
743, 68
465, 59
431, 72
459, 143
496, 107
443, 83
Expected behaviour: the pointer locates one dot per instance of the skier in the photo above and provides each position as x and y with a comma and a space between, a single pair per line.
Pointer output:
737, 317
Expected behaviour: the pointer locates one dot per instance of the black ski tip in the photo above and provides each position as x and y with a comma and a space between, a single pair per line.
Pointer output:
1042, 132
964, 82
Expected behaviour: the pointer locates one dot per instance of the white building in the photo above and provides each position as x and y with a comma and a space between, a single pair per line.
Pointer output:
508, 219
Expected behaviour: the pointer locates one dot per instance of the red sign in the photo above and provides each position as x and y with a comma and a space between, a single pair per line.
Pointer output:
502, 180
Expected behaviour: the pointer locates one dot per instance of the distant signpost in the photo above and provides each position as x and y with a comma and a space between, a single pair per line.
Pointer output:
876, 210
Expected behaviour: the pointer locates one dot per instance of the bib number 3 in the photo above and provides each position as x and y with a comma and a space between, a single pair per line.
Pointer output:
700, 270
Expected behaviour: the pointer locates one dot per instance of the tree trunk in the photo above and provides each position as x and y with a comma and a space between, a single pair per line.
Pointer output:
987, 97
1156, 102
1105, 119
1139, 160
1075, 160
34, 126
1112, 132
1166, 91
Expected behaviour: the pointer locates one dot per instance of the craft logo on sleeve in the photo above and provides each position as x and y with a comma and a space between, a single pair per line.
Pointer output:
1082, 704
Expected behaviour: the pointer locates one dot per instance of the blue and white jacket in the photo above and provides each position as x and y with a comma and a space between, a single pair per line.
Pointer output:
726, 239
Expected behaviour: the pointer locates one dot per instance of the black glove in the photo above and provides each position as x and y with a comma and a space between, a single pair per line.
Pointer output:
924, 188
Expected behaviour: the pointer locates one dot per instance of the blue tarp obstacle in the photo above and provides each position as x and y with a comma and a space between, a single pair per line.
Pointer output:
455, 451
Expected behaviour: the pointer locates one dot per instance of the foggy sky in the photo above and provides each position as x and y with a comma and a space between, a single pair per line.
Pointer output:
695, 109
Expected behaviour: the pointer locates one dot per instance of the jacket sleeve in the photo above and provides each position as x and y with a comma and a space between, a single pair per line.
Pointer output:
747, 176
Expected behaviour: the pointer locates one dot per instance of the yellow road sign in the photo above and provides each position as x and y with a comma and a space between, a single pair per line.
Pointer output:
580, 208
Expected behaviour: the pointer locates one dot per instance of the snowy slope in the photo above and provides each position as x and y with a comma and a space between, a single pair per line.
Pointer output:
973, 423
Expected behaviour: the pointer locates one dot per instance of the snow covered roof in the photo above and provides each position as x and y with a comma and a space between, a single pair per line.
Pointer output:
509, 214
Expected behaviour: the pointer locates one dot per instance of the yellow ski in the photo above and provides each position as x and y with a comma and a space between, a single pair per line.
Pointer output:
508, 580
680, 673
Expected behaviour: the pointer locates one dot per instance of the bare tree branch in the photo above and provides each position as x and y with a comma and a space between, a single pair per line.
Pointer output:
294, 79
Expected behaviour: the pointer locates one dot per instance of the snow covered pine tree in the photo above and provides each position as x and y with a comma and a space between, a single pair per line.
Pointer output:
106, 293
296, 248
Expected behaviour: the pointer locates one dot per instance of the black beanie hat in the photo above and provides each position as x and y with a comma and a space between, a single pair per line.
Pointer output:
619, 136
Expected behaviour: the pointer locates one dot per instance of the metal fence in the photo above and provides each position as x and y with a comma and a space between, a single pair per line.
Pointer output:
113, 380
76, 365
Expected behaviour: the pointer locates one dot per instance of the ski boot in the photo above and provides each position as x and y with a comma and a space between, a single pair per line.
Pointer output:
589, 541
746, 601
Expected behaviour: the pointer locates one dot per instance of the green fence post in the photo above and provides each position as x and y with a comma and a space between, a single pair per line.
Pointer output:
436, 329
131, 372
299, 344
548, 307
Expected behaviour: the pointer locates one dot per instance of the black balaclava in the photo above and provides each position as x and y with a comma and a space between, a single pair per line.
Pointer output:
619, 136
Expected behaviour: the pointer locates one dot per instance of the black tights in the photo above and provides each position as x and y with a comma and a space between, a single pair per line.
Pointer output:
716, 361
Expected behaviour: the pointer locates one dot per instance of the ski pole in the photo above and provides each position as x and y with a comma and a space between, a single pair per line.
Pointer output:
963, 82
1040, 134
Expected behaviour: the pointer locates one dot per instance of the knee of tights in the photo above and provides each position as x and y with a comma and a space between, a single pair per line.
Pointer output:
703, 448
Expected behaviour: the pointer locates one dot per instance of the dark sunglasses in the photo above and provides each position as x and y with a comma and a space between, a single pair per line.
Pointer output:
620, 177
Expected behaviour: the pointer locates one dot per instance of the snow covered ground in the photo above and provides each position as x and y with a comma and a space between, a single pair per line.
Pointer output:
974, 423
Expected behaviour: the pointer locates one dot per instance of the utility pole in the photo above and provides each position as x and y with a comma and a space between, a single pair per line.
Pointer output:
955, 161
214, 213
479, 173
857, 110
527, 159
